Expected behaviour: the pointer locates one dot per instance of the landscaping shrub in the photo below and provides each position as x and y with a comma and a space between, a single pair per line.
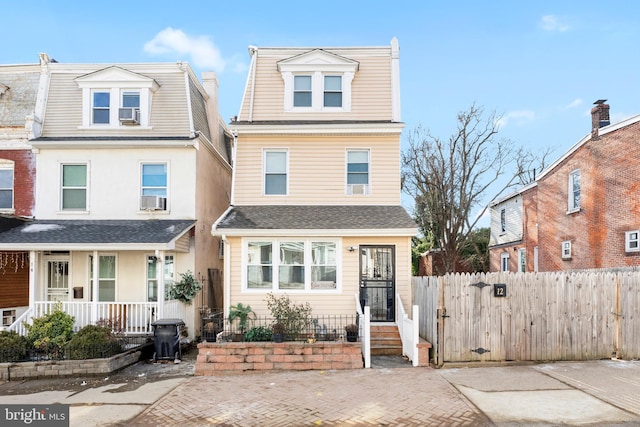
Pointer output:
258, 333
92, 342
51, 332
13, 347
296, 318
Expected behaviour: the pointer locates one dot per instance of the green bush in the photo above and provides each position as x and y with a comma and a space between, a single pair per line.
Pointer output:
184, 290
51, 332
258, 333
13, 347
92, 342
296, 318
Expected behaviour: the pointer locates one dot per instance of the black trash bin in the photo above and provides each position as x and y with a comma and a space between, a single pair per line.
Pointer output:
166, 337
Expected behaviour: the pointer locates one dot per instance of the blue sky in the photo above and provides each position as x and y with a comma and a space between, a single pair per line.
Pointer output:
539, 64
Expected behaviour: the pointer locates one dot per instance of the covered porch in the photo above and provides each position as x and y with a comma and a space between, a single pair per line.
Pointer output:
109, 272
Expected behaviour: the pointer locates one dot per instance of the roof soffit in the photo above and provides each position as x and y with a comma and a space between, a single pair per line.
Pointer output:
117, 77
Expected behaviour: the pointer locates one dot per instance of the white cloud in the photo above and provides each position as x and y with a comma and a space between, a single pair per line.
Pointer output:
552, 23
575, 103
199, 50
518, 117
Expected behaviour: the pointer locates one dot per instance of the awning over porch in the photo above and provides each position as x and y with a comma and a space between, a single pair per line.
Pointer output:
87, 234
313, 219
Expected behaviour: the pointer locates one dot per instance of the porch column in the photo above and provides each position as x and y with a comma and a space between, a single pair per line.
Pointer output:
160, 277
33, 279
94, 290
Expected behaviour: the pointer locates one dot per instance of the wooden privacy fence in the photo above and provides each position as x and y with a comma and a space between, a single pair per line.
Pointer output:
530, 316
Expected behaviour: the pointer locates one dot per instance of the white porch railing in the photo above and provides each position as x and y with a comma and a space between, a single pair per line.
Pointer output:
130, 318
409, 331
18, 325
365, 331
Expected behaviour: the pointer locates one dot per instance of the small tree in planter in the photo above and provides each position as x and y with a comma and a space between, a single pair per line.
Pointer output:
243, 313
295, 318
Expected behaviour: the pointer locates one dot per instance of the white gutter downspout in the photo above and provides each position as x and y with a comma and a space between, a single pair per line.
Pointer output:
253, 51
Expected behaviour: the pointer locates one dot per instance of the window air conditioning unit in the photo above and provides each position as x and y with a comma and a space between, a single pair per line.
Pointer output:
357, 189
153, 203
129, 116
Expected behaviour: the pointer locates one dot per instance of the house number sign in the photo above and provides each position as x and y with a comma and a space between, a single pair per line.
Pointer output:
500, 290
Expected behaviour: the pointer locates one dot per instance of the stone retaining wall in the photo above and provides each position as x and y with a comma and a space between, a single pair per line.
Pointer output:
214, 358
67, 368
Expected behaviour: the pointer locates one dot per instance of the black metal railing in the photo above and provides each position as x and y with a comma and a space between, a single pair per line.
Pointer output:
70, 351
316, 328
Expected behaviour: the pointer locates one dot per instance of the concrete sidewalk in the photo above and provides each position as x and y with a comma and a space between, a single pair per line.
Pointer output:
602, 393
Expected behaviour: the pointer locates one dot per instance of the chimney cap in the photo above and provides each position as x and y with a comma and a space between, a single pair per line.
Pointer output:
600, 101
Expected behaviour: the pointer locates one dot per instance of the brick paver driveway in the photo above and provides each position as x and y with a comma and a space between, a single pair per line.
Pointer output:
364, 397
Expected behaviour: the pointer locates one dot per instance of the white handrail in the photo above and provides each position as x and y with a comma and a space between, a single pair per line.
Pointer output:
409, 331
18, 325
365, 331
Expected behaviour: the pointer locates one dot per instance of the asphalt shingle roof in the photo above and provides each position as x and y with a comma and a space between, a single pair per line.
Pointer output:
317, 217
95, 231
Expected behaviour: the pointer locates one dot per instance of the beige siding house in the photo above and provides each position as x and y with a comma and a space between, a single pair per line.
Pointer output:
133, 165
316, 207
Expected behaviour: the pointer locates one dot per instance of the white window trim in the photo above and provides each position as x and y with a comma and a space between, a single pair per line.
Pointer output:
348, 187
168, 203
566, 249
116, 81
264, 171
115, 278
570, 206
6, 164
627, 241
522, 253
87, 207
308, 263
504, 262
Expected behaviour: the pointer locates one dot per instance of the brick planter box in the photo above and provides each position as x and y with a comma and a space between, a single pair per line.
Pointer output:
214, 358
68, 368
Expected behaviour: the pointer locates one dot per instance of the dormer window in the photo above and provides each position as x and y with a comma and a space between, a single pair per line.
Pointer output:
317, 81
302, 91
114, 97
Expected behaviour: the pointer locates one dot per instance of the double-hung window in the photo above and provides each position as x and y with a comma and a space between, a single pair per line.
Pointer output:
154, 179
503, 220
168, 271
6, 184
74, 187
333, 91
574, 191
504, 261
302, 93
101, 107
275, 172
106, 277
566, 249
291, 265
632, 241
358, 172
522, 260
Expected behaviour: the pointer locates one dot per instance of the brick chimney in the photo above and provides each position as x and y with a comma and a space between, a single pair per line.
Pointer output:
599, 117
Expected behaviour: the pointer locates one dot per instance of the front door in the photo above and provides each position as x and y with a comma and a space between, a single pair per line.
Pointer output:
58, 280
377, 281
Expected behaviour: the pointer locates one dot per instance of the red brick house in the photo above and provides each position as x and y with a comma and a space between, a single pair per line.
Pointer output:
19, 122
582, 212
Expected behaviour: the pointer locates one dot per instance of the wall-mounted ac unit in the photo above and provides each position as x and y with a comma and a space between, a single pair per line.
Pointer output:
357, 189
153, 203
129, 116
